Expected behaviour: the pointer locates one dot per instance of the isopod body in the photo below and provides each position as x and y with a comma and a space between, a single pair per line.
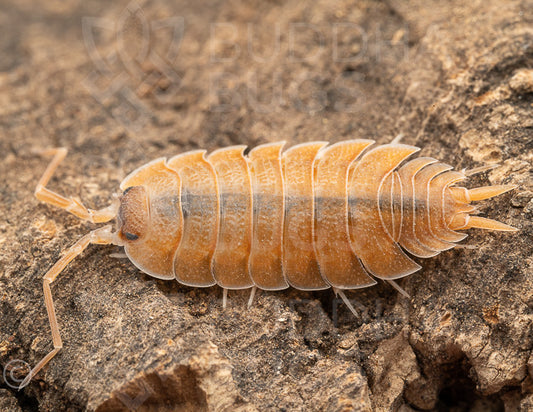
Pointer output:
311, 217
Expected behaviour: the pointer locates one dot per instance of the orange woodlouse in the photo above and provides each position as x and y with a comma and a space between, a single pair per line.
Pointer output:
312, 217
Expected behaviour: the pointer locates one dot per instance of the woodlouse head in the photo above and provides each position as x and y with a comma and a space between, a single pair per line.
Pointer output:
133, 214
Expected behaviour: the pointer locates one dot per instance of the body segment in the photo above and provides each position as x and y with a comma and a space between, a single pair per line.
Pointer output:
265, 264
338, 264
199, 204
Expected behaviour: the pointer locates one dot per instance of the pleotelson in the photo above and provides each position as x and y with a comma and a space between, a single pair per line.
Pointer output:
311, 217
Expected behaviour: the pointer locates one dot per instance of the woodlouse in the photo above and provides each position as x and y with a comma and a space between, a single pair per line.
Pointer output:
312, 217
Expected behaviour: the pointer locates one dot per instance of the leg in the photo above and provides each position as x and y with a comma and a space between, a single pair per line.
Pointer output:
224, 297
118, 255
397, 139
99, 236
467, 247
71, 205
399, 288
252, 294
477, 170
347, 302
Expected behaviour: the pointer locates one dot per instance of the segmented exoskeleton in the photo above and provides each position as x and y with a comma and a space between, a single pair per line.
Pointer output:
312, 217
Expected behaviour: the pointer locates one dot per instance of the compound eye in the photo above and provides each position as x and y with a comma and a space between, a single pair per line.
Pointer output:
127, 190
131, 236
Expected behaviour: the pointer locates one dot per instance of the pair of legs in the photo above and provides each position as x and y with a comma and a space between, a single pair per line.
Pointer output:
337, 291
101, 235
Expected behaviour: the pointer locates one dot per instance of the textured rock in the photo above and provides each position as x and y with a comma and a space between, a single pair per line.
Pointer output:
392, 367
8, 402
147, 80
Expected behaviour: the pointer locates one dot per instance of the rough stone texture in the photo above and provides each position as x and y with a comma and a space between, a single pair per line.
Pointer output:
455, 78
8, 402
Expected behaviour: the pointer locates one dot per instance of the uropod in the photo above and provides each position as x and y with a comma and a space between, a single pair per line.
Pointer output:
312, 217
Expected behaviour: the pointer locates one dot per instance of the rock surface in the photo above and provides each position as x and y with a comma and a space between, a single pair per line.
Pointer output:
123, 84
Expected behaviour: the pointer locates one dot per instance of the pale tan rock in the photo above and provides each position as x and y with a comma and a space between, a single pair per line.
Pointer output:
454, 78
